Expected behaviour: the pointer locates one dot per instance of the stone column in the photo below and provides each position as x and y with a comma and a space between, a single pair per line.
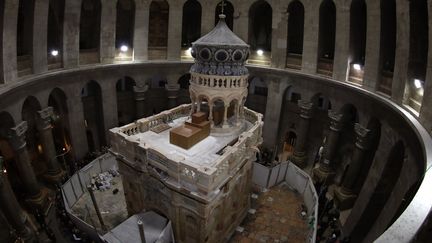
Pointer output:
340, 63
40, 36
10, 208
44, 127
225, 118
141, 28
325, 169
210, 117
108, 30
109, 106
400, 73
175, 30
71, 29
9, 46
25, 170
299, 156
310, 42
172, 94
373, 40
345, 195
140, 95
276, 90
77, 126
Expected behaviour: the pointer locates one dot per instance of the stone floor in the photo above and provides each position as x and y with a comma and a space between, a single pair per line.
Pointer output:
112, 206
277, 218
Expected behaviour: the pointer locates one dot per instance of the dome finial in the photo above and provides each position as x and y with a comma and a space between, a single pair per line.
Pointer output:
222, 4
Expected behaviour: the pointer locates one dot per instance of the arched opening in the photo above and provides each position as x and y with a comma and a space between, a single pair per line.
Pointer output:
125, 101
232, 113
25, 37
257, 97
55, 33
289, 143
158, 29
184, 97
418, 52
260, 32
90, 31
1, 37
228, 10
191, 25
8, 154
60, 127
34, 144
326, 38
387, 45
358, 25
125, 29
295, 34
382, 192
91, 96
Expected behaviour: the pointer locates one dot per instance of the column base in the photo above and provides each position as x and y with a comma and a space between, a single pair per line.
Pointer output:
39, 201
323, 174
299, 159
54, 177
344, 198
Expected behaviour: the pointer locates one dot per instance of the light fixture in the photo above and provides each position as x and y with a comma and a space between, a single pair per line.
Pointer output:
189, 51
260, 52
357, 66
124, 48
54, 53
418, 83
4, 171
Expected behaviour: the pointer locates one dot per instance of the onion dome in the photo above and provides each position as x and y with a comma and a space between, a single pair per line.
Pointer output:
220, 52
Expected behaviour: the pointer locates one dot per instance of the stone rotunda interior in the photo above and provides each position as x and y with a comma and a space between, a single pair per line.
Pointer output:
342, 154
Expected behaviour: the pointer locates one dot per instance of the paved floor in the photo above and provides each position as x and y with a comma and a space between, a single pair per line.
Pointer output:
112, 206
277, 218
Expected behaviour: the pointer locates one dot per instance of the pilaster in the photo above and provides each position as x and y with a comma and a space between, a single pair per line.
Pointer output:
108, 30
9, 43
141, 29
40, 36
373, 40
71, 29
340, 67
140, 96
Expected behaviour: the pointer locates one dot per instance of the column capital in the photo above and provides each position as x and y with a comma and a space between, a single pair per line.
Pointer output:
336, 121
16, 136
172, 87
44, 118
306, 109
140, 92
362, 141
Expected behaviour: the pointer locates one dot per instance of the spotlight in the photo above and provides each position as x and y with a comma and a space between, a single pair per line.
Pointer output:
418, 83
260, 52
4, 171
189, 51
357, 67
54, 53
124, 48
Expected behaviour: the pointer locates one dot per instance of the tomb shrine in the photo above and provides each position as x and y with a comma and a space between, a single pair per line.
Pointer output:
193, 163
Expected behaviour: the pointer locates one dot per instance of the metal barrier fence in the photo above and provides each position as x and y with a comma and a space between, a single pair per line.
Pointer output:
296, 178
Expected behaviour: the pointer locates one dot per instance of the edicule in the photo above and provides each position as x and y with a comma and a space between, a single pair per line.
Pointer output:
193, 163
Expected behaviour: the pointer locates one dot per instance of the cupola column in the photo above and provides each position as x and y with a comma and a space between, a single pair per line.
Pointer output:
108, 31
71, 31
10, 208
325, 169
306, 111
25, 170
174, 30
225, 118
44, 127
9, 41
140, 95
210, 117
345, 194
40, 36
